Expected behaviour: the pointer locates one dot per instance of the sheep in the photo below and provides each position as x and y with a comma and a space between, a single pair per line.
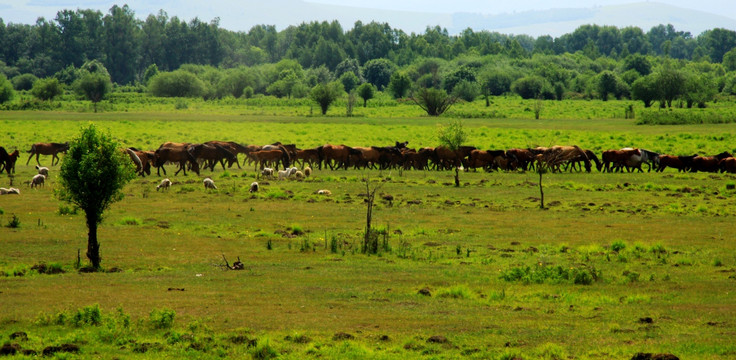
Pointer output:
291, 171
43, 170
165, 184
283, 174
324, 192
209, 184
11, 191
253, 187
307, 171
299, 175
38, 180
267, 172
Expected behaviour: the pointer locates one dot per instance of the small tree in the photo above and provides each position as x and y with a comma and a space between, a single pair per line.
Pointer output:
400, 84
94, 87
453, 136
434, 101
366, 91
47, 89
326, 94
349, 81
6, 89
92, 177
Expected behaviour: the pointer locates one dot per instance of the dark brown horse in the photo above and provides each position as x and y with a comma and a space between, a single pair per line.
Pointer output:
211, 154
52, 149
175, 153
7, 161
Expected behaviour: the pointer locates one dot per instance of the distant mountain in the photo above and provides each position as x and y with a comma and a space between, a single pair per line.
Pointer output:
244, 14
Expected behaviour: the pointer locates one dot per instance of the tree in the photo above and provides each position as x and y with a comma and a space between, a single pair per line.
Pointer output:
466, 90
529, 87
607, 84
366, 91
177, 83
434, 101
670, 85
47, 89
349, 81
645, 89
378, 72
151, 71
6, 89
699, 89
729, 60
453, 136
400, 84
24, 82
326, 94
94, 87
92, 177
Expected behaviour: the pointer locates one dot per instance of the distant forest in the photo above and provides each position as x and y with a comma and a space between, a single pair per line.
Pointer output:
127, 46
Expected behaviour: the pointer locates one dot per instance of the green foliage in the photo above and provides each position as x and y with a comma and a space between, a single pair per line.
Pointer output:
453, 135
466, 90
617, 246
151, 71
530, 87
645, 89
683, 116
24, 82
540, 274
88, 315
94, 86
14, 222
92, 177
6, 89
378, 72
366, 91
162, 318
456, 292
496, 82
178, 83
263, 350
400, 84
326, 94
349, 81
433, 101
47, 89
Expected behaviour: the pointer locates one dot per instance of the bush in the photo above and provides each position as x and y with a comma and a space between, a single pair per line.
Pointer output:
466, 90
88, 315
162, 318
550, 274
264, 350
47, 89
530, 87
618, 246
178, 83
6, 89
24, 82
13, 223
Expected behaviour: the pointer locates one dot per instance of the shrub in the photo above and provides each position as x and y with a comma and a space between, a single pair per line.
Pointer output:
67, 210
14, 222
24, 82
263, 350
456, 292
178, 83
550, 274
47, 89
618, 246
466, 90
6, 89
162, 318
88, 315
130, 221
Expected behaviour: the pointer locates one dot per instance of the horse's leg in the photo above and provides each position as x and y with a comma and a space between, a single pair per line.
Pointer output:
29, 158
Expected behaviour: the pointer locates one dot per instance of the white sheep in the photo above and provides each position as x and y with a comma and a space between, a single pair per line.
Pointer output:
283, 174
291, 171
267, 172
43, 170
11, 191
324, 192
165, 184
307, 171
209, 184
254, 187
38, 180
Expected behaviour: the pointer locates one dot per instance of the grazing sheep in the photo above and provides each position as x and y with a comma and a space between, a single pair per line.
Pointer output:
43, 170
267, 172
299, 175
307, 171
209, 184
291, 171
324, 192
11, 191
253, 187
38, 180
165, 184
283, 174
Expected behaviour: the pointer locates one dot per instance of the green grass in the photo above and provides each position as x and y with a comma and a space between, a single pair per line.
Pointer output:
650, 248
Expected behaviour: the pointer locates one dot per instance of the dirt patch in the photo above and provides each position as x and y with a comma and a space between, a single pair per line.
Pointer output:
432, 244
438, 339
648, 356
19, 335
342, 336
9, 349
425, 291
68, 348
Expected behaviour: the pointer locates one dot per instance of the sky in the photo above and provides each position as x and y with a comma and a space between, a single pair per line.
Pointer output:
241, 15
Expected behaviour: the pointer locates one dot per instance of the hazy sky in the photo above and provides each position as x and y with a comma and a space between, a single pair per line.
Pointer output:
241, 15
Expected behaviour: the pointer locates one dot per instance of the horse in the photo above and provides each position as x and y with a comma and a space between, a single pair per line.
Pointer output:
307, 156
7, 161
234, 148
52, 149
554, 157
212, 154
485, 159
620, 158
285, 156
337, 154
453, 158
175, 153
266, 158
681, 163
708, 163
727, 165
524, 157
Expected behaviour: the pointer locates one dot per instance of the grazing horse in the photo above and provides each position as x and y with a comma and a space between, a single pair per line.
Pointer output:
485, 159
250, 149
142, 160
524, 158
554, 157
285, 156
338, 155
449, 158
708, 163
681, 163
211, 154
369, 157
234, 148
7, 161
266, 158
728, 165
52, 149
307, 156
175, 153
620, 158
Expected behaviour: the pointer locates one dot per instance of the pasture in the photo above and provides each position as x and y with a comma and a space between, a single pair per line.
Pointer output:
619, 263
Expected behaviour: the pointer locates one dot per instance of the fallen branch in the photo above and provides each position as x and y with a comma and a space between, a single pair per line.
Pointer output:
238, 265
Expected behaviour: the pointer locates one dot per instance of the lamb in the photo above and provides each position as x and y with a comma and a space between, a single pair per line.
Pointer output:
291, 171
11, 191
267, 172
209, 184
283, 174
254, 187
165, 184
324, 192
299, 175
307, 171
43, 170
38, 180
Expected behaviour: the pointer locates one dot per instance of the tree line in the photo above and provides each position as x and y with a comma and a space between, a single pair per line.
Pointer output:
170, 57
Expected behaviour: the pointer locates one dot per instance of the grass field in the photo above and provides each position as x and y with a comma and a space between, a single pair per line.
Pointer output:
618, 263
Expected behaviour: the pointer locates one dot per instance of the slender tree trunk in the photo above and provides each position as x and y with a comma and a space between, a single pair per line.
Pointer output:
541, 191
457, 176
93, 246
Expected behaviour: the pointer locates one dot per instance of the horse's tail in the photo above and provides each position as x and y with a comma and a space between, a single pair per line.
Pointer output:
33, 149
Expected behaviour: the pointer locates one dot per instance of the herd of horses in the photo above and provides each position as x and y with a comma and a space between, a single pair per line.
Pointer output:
195, 156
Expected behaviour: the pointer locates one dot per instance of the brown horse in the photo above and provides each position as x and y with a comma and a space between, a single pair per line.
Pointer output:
175, 153
267, 158
524, 157
211, 154
7, 161
728, 165
141, 159
620, 159
52, 149
234, 148
338, 155
307, 156
681, 163
449, 158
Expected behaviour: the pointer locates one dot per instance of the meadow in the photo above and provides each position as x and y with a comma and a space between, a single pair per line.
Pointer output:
617, 264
